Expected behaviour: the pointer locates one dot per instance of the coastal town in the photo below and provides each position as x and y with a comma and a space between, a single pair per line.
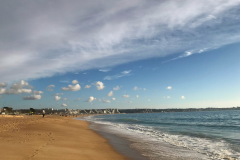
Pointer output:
75, 112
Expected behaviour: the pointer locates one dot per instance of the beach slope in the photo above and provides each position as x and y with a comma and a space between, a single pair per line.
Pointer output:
52, 137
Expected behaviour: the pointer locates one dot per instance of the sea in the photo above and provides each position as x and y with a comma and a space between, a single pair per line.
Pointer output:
203, 135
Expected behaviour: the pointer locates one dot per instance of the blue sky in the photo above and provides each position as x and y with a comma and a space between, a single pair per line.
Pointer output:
158, 59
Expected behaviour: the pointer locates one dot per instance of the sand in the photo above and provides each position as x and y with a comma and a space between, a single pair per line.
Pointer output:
53, 138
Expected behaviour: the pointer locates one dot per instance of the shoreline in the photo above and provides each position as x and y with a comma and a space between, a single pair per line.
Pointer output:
52, 137
120, 144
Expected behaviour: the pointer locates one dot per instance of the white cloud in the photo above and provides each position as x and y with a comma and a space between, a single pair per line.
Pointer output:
183, 97
74, 82
144, 89
122, 74
125, 30
116, 88
3, 85
64, 105
50, 87
17, 88
32, 97
37, 92
137, 96
99, 85
130, 102
64, 99
19, 85
189, 53
105, 70
24, 90
57, 98
87, 86
72, 88
168, 97
106, 101
2, 90
125, 96
113, 99
110, 93
135, 88
169, 87
57, 94
90, 99
148, 99
17, 91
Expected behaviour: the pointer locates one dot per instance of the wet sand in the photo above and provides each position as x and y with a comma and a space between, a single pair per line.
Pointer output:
52, 137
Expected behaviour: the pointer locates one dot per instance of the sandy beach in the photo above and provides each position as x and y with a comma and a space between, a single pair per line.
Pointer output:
52, 137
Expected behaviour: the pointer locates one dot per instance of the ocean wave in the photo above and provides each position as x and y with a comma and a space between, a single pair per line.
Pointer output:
214, 149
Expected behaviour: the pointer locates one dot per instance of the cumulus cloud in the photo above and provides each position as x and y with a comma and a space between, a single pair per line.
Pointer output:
57, 98
2, 90
87, 86
64, 99
72, 88
110, 93
116, 88
17, 91
32, 97
122, 74
106, 101
50, 87
135, 88
17, 88
20, 85
37, 92
113, 99
80, 38
3, 85
183, 97
169, 87
99, 85
90, 99
125, 96
74, 82
137, 96
64, 105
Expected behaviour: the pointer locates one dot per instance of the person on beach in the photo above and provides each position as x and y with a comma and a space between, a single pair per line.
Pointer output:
43, 112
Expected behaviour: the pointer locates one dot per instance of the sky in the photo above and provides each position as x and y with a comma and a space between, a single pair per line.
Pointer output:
119, 54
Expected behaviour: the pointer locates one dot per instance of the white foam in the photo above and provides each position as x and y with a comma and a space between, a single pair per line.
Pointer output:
213, 150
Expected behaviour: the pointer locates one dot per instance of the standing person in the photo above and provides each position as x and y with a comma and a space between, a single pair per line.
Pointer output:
43, 113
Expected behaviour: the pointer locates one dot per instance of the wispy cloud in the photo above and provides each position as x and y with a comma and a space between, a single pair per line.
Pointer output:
105, 70
188, 53
116, 33
122, 74
106, 101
